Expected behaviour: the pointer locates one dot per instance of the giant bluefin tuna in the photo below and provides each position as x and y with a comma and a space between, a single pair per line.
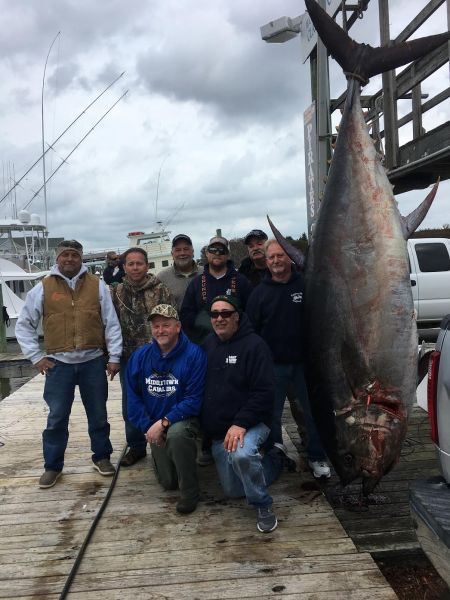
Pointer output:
362, 340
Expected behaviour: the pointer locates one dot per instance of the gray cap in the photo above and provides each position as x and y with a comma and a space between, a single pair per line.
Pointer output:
219, 240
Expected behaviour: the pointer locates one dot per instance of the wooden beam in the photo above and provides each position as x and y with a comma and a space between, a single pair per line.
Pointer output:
426, 12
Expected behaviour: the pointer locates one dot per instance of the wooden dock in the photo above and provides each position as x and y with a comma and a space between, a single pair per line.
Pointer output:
143, 549
383, 524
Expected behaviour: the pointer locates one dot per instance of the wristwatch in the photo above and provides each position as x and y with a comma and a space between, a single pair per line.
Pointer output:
165, 423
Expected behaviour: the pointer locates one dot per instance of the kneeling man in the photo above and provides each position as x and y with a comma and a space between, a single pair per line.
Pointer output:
237, 408
165, 383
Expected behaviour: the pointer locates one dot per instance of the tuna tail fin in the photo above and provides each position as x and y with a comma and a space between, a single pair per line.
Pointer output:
415, 218
294, 254
361, 60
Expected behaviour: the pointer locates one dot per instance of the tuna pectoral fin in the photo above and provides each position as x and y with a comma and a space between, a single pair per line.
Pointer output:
294, 254
361, 59
415, 218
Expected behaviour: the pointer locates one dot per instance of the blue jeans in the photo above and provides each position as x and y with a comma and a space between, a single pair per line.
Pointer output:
245, 472
284, 375
59, 392
135, 438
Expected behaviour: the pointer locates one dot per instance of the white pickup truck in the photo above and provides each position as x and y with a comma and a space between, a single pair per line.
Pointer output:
429, 260
430, 498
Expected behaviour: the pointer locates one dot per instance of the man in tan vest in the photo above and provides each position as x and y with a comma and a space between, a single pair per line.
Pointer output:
79, 323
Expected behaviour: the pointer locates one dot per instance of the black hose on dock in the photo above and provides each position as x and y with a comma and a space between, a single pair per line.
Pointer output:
87, 539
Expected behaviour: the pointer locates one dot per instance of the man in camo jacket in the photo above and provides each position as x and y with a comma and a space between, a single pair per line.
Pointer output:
134, 300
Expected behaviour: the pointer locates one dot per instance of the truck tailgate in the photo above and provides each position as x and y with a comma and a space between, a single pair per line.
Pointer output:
430, 510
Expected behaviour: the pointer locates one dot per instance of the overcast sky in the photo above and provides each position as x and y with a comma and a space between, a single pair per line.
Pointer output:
211, 107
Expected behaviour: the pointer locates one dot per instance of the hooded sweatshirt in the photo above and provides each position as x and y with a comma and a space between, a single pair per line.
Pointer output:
200, 293
133, 304
165, 386
239, 386
276, 312
32, 312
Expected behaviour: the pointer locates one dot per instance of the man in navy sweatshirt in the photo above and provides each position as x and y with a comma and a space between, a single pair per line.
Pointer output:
165, 382
237, 409
275, 309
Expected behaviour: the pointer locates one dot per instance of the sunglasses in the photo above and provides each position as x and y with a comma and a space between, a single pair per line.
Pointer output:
217, 250
225, 314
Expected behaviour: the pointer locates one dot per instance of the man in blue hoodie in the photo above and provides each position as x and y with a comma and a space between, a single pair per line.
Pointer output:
165, 383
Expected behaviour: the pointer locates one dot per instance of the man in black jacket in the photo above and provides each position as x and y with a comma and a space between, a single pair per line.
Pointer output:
219, 277
114, 271
275, 309
254, 267
237, 408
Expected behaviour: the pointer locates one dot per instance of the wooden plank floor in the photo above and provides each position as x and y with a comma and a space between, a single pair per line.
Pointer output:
142, 549
383, 524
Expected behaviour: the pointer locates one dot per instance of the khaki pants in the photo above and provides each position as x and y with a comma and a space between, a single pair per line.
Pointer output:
175, 462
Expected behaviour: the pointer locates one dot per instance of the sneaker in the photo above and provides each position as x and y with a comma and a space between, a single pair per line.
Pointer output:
266, 521
205, 458
49, 478
288, 463
132, 456
104, 467
187, 505
319, 468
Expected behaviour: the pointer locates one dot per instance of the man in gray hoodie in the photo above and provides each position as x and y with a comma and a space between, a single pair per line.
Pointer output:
79, 323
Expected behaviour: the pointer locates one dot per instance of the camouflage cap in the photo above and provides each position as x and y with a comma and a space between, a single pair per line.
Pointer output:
164, 310
72, 245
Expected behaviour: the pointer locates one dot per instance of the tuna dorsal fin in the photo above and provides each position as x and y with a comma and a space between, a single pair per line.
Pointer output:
361, 60
294, 254
415, 218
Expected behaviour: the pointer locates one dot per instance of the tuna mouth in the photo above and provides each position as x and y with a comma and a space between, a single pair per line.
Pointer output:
385, 399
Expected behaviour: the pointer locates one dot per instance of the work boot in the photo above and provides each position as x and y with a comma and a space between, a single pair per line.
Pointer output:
186, 505
132, 456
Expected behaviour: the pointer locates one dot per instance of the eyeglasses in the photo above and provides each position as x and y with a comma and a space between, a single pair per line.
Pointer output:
225, 314
217, 250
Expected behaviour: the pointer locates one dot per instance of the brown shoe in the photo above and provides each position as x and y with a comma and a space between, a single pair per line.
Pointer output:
132, 456
48, 479
186, 505
104, 467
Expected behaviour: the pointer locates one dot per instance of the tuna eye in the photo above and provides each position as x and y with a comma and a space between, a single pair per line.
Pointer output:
348, 459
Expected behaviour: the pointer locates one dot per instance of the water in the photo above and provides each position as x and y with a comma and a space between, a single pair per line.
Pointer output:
14, 374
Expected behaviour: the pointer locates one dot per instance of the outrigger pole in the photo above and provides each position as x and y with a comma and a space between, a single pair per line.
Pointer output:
16, 183
75, 147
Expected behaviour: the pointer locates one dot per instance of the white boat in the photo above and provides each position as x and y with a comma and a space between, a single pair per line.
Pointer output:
158, 246
15, 284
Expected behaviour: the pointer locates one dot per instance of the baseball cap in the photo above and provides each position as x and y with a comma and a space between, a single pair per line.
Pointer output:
164, 310
69, 245
219, 240
228, 298
257, 233
181, 236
